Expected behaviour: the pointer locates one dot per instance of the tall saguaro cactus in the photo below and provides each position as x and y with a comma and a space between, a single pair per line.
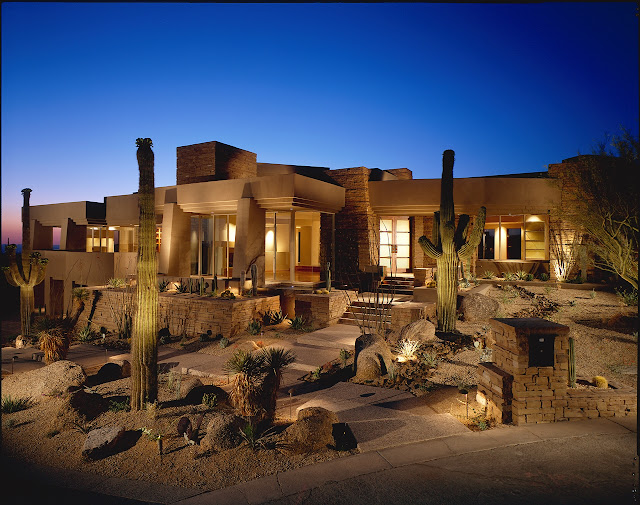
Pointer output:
144, 371
448, 245
26, 272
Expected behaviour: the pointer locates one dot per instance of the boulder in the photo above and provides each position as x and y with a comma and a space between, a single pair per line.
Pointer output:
188, 384
102, 441
478, 307
372, 357
422, 330
312, 431
83, 404
109, 372
223, 432
58, 377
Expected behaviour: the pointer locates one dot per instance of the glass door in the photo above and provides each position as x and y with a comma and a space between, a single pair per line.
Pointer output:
395, 244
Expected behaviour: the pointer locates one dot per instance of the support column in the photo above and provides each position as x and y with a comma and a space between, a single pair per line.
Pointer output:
292, 246
175, 253
250, 236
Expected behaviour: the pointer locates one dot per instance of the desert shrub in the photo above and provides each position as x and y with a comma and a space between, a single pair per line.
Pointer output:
182, 287
224, 342
210, 400
271, 317
407, 349
629, 298
529, 277
254, 327
430, 359
86, 334
163, 285
488, 274
122, 406
544, 276
54, 338
227, 294
298, 323
116, 282
9, 405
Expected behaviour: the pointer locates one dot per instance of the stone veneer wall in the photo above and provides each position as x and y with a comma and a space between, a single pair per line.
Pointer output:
322, 310
356, 225
185, 312
405, 313
512, 391
214, 161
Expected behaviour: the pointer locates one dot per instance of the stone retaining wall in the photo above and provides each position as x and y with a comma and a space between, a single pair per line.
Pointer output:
322, 310
184, 314
512, 390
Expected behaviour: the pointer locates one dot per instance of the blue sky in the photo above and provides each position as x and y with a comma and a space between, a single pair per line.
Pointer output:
510, 87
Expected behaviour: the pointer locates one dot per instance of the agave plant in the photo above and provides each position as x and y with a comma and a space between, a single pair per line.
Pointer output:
276, 359
248, 369
54, 339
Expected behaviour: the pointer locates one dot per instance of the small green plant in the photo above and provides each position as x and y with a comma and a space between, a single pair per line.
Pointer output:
573, 303
206, 337
10, 405
315, 375
254, 327
164, 336
629, 298
521, 275
116, 282
430, 359
163, 285
224, 342
123, 406
82, 427
182, 287
488, 274
298, 323
210, 400
344, 356
544, 276
86, 334
392, 372
271, 317
592, 294
227, 294
529, 277
174, 383
150, 434
508, 276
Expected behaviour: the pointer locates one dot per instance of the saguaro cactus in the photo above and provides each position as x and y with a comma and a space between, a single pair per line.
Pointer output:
449, 245
144, 372
26, 272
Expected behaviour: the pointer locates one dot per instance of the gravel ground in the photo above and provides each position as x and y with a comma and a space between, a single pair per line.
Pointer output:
604, 329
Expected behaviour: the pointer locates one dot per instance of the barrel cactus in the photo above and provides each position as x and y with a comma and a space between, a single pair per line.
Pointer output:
449, 245
600, 382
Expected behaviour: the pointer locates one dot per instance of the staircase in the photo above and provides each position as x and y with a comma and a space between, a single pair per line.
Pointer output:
360, 310
397, 285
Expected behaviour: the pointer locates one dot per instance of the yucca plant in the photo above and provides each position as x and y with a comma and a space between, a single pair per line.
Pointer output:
53, 335
248, 370
276, 359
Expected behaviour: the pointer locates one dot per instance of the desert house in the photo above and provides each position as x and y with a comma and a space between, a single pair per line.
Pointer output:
227, 211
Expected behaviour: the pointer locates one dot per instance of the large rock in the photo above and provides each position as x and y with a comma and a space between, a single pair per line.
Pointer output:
372, 357
102, 441
58, 377
223, 432
312, 431
422, 330
478, 307
83, 404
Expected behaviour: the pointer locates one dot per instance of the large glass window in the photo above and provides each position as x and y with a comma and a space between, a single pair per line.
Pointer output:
212, 244
514, 237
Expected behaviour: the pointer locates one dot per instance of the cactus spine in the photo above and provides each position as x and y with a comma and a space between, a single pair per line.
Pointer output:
144, 373
449, 245
26, 272
572, 363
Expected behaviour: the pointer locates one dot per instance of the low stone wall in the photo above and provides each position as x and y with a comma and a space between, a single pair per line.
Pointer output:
405, 313
183, 314
322, 310
513, 390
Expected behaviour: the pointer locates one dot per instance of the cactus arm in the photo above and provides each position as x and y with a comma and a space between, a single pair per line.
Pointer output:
429, 249
472, 243
461, 230
12, 275
435, 230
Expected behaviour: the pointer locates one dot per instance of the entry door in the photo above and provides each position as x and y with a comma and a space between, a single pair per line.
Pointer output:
395, 244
